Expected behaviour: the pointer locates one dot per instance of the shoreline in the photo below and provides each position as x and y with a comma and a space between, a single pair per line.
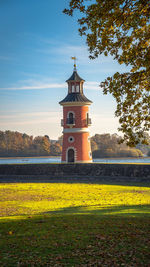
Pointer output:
22, 157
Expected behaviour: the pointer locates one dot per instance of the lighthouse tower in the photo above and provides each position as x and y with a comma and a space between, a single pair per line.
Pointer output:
75, 122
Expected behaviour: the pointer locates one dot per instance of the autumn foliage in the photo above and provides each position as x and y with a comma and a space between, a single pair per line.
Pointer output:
121, 28
18, 144
14, 144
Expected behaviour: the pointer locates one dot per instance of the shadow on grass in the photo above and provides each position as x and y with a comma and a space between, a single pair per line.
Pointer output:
121, 210
92, 210
73, 237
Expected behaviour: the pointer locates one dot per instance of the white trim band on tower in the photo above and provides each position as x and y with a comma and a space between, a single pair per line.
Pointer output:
74, 104
76, 130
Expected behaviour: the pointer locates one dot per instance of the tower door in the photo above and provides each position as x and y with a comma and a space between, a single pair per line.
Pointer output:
70, 155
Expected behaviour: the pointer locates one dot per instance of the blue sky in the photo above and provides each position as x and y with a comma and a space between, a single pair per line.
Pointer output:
37, 42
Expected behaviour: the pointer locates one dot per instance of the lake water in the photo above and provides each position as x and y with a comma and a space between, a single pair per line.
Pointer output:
58, 160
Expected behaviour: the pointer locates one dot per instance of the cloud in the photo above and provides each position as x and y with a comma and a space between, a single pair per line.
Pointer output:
92, 85
30, 118
29, 114
36, 87
40, 85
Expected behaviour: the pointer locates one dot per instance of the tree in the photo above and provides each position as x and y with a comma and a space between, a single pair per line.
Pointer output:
56, 149
108, 146
41, 145
121, 28
94, 145
60, 140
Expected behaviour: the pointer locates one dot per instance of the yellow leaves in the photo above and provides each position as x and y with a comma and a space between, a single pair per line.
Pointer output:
10, 232
147, 44
145, 9
134, 69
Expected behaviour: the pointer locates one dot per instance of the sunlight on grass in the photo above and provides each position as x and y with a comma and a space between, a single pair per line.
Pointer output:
24, 199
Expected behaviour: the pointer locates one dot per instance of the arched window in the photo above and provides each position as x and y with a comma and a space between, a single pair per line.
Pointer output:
70, 118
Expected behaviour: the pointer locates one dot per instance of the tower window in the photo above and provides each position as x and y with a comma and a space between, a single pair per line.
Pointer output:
73, 89
69, 88
70, 118
87, 118
77, 88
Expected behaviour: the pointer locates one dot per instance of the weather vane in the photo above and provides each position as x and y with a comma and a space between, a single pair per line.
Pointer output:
75, 59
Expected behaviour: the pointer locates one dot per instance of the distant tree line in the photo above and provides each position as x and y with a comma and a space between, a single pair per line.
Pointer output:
107, 145
13, 144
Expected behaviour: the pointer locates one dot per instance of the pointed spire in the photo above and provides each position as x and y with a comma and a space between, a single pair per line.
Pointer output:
75, 76
75, 89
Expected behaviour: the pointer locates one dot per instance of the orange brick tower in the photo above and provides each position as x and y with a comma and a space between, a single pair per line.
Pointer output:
76, 137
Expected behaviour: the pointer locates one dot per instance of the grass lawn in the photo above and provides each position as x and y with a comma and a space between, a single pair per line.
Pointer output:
56, 224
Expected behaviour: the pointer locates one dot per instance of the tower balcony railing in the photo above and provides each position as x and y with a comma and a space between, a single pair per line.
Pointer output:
89, 121
70, 121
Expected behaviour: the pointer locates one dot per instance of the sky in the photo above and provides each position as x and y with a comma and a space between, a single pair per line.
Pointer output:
37, 43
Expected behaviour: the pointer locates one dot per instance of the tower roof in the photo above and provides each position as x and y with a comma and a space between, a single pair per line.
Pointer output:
75, 77
76, 97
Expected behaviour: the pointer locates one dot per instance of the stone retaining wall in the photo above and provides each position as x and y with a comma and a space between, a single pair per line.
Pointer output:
75, 172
